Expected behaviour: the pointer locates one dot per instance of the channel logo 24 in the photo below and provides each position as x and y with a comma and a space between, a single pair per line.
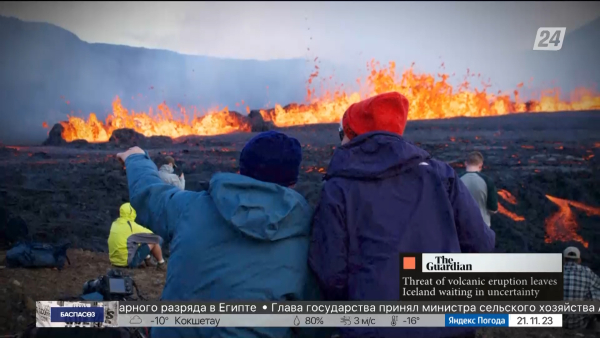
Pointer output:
549, 38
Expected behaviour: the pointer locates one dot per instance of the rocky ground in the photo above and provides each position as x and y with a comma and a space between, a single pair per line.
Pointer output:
72, 192
21, 288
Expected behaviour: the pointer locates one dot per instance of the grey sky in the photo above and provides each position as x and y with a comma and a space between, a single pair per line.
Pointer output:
478, 35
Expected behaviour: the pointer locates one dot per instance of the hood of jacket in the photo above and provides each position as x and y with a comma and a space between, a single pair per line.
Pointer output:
167, 168
262, 210
375, 155
127, 212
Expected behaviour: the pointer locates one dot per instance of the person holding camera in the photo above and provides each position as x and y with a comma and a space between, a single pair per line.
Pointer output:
166, 173
130, 244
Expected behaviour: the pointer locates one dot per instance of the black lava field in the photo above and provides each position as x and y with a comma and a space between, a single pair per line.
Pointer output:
72, 191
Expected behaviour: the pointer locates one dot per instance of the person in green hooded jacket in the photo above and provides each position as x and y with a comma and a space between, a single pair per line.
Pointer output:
130, 244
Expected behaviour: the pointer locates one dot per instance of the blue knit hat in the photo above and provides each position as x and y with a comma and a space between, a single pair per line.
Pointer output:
272, 157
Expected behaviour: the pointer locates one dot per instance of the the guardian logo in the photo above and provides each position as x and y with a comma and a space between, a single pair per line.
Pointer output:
447, 264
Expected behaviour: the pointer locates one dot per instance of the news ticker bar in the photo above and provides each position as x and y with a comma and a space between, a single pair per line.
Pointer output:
106, 314
369, 308
94, 317
264, 320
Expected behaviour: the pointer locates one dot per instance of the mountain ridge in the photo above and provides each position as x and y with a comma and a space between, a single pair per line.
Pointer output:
43, 65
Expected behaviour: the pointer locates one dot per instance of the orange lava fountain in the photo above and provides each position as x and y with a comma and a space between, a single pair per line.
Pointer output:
429, 97
562, 226
150, 124
508, 197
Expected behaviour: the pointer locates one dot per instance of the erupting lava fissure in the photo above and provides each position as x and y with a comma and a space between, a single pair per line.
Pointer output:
562, 225
508, 197
429, 97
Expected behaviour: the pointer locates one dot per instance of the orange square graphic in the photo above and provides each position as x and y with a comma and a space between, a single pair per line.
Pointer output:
408, 263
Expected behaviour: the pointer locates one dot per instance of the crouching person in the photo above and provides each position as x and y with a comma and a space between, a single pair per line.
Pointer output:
246, 238
130, 244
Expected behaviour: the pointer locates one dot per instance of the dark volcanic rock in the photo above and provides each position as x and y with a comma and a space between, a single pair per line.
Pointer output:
129, 138
55, 136
79, 143
76, 194
119, 138
194, 184
5, 151
311, 190
12, 228
258, 123
41, 155
158, 141
126, 137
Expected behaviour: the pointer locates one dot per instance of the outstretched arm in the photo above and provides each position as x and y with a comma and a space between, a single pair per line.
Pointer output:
473, 234
158, 205
328, 255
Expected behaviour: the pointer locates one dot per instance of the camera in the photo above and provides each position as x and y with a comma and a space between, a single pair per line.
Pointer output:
113, 286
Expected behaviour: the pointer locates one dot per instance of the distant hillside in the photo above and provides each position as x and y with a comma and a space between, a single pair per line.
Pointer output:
41, 62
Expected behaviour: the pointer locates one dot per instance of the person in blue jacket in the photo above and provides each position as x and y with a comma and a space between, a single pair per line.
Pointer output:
246, 238
384, 196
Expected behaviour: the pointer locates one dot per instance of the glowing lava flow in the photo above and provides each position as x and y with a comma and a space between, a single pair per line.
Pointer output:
508, 197
510, 214
562, 226
429, 97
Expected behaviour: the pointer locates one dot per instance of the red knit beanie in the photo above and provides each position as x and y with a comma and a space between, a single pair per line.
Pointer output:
384, 112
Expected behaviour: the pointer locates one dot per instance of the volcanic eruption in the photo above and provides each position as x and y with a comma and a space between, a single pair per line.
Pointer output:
430, 97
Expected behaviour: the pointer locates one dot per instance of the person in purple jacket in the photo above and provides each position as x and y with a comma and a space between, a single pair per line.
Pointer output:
384, 196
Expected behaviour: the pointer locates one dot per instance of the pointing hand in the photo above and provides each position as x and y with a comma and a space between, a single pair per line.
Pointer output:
124, 155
